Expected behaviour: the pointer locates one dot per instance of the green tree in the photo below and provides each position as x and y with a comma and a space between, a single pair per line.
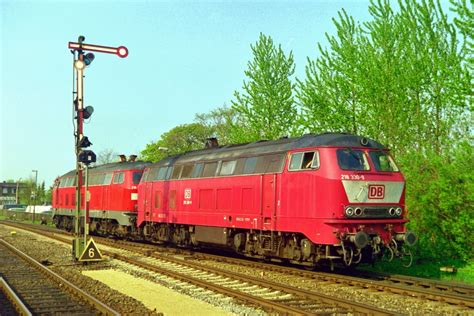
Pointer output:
266, 108
179, 139
220, 122
441, 203
399, 78
107, 155
465, 23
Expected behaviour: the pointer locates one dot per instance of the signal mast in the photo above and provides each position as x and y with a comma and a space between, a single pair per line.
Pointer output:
82, 248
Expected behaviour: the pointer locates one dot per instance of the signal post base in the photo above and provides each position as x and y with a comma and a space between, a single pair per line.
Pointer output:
85, 252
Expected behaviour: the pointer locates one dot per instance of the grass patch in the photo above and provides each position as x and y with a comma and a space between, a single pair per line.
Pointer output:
428, 269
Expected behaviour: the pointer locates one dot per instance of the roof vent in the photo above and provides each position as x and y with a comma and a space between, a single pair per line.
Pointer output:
132, 158
123, 158
212, 142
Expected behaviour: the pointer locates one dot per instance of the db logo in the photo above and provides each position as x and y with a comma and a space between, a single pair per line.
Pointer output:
376, 191
187, 194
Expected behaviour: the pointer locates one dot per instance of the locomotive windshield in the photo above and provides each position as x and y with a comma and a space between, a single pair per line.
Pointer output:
350, 159
383, 162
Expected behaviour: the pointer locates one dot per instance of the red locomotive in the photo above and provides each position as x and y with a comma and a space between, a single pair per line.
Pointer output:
333, 197
113, 198
330, 198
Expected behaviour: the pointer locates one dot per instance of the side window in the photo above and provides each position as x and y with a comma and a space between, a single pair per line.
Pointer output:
197, 170
187, 171
239, 166
176, 172
100, 179
168, 172
161, 173
151, 174
118, 178
250, 164
275, 163
147, 174
227, 168
107, 178
304, 160
209, 169
261, 166
136, 177
93, 179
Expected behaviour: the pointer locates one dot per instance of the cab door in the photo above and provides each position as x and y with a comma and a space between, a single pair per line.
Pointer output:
269, 185
147, 201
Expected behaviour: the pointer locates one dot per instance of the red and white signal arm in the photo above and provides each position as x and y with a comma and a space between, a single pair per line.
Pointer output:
120, 51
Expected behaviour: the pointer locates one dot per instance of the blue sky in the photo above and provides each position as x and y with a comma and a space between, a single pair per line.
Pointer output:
185, 57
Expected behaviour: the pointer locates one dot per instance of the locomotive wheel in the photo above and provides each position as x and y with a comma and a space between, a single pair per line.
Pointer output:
406, 258
358, 257
388, 254
347, 256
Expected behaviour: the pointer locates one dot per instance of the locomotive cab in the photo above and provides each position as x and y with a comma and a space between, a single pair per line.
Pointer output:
372, 206
349, 197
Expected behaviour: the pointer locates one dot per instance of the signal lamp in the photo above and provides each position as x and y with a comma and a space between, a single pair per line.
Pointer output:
79, 64
84, 142
88, 112
88, 58
87, 157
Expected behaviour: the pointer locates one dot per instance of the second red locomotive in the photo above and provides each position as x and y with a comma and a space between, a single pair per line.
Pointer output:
112, 198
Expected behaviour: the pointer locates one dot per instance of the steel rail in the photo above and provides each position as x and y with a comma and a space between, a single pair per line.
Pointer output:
267, 304
333, 301
264, 303
451, 293
13, 298
458, 294
71, 288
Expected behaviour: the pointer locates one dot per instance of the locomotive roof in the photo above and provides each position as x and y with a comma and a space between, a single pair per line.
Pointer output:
114, 166
272, 146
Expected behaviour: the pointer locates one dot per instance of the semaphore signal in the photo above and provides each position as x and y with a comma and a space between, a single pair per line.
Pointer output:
84, 157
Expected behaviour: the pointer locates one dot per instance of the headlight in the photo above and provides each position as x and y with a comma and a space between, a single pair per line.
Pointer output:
358, 211
391, 211
398, 211
349, 211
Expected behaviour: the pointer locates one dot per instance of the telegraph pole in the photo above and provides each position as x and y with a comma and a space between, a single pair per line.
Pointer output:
82, 249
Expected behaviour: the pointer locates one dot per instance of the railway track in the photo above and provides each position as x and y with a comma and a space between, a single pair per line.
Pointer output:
270, 296
31, 288
10, 303
452, 293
